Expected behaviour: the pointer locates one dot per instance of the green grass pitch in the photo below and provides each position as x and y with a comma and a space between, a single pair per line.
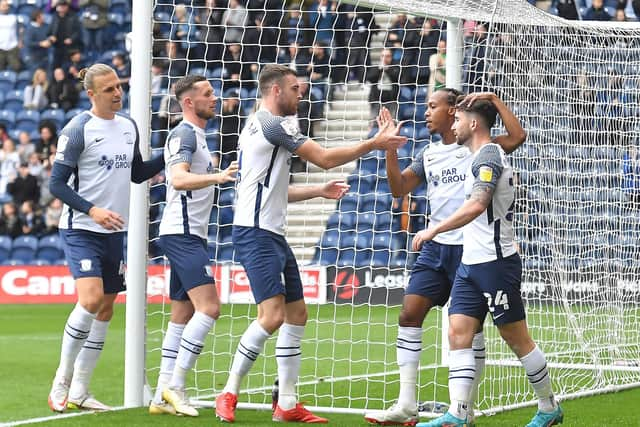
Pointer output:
30, 344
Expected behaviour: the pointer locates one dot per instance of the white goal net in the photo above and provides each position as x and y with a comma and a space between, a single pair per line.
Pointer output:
576, 89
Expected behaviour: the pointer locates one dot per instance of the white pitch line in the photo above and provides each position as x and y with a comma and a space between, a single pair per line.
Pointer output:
54, 417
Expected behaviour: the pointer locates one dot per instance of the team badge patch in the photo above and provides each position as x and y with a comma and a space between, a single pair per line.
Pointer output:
486, 174
85, 265
290, 127
207, 271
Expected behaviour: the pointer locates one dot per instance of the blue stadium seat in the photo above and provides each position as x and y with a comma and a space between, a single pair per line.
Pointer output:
13, 262
347, 221
365, 221
50, 248
329, 239
5, 247
8, 80
24, 248
382, 222
333, 222
14, 100
27, 120
349, 203
381, 257
407, 131
347, 240
120, 6
8, 118
406, 111
56, 115
1, 100
421, 93
423, 134
367, 203
346, 258
41, 261
71, 114
406, 94
23, 79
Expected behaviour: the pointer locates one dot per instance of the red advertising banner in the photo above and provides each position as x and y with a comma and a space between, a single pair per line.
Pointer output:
55, 285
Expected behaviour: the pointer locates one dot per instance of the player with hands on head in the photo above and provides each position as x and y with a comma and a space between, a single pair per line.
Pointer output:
442, 165
489, 277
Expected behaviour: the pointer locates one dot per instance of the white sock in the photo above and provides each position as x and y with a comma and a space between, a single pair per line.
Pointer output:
288, 356
408, 349
249, 348
462, 370
76, 331
87, 358
535, 365
191, 343
170, 347
479, 354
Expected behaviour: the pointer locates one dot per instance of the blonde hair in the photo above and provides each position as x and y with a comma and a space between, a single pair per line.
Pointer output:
35, 81
86, 75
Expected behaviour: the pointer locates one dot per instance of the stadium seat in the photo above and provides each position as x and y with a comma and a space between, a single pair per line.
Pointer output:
329, 239
23, 79
13, 262
5, 247
120, 6
349, 203
8, 80
56, 115
40, 261
365, 221
346, 258
14, 100
71, 114
408, 131
27, 120
347, 221
347, 240
367, 203
50, 248
24, 248
382, 222
406, 94
381, 257
8, 118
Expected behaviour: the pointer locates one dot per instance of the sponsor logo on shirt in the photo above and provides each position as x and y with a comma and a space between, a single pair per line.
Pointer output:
117, 162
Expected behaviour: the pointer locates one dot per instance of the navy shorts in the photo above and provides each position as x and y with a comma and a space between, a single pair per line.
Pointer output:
91, 254
492, 287
269, 263
434, 272
190, 265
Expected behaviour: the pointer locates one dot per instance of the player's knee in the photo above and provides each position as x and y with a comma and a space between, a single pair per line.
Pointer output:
105, 314
93, 303
459, 337
213, 311
271, 322
410, 319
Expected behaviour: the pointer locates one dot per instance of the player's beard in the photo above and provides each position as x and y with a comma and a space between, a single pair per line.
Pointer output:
205, 114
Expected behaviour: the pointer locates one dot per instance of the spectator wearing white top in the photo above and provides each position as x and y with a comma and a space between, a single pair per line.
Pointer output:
9, 46
35, 94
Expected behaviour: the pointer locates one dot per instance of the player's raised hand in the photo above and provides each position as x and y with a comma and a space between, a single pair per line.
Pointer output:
229, 174
478, 96
106, 218
388, 136
421, 237
334, 189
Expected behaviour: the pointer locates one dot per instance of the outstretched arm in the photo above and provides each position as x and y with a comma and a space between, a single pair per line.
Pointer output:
334, 189
515, 135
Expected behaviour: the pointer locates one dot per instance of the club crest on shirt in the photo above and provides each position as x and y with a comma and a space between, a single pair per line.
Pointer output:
290, 127
461, 155
128, 137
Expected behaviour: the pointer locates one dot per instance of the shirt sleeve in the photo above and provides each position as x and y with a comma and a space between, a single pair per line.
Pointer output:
181, 145
70, 146
487, 167
417, 166
282, 131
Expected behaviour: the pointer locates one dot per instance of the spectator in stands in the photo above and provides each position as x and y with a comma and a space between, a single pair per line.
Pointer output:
396, 32
24, 186
270, 11
295, 58
62, 92
234, 20
48, 140
476, 74
620, 16
631, 175
36, 41
123, 70
419, 48
180, 27
170, 111
9, 161
178, 63
9, 50
318, 69
157, 77
385, 86
9, 221
45, 177
230, 126
31, 219
295, 26
237, 68
209, 24
65, 33
51, 5
309, 108
3, 134
567, 9
52, 215
25, 147
75, 64
438, 67
94, 21
596, 12
35, 166
362, 25
35, 94
322, 18
260, 42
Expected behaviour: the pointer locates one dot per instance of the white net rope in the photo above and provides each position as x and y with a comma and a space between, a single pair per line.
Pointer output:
574, 87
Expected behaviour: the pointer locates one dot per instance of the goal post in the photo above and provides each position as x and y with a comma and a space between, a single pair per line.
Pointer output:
576, 90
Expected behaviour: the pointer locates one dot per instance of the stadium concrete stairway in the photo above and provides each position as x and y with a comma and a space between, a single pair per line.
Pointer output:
346, 123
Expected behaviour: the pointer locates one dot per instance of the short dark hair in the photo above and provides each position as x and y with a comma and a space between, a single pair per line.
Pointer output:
452, 95
271, 73
35, 13
186, 83
481, 108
